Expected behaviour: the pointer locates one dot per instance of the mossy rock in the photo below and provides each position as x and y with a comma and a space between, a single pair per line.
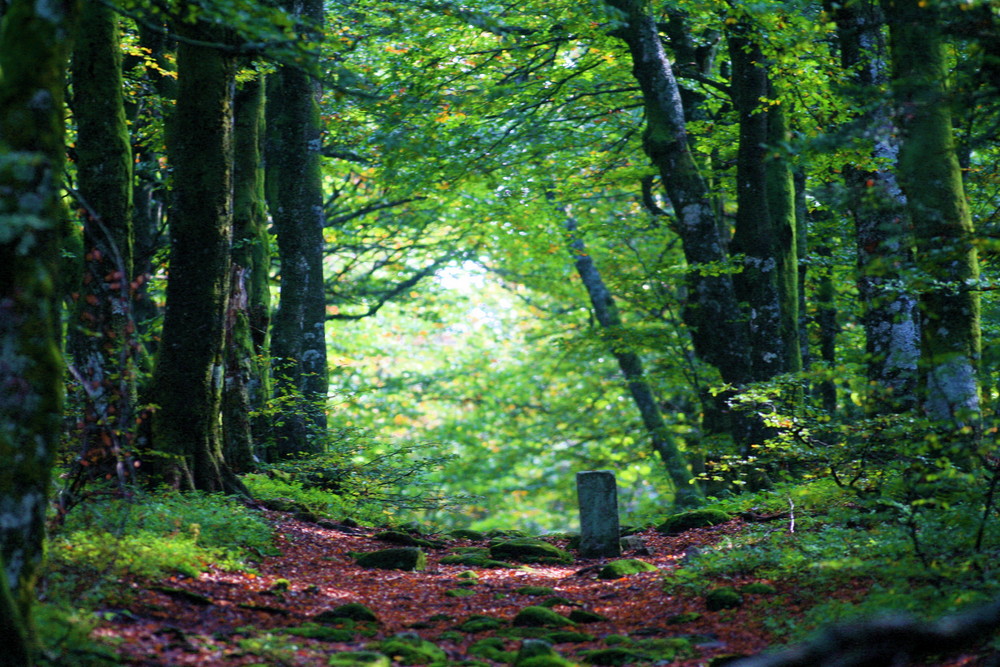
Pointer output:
352, 611
686, 617
523, 633
359, 659
479, 623
622, 568
451, 636
475, 560
491, 648
583, 616
758, 588
399, 558
283, 505
678, 523
397, 537
726, 597
540, 617
665, 649
617, 640
534, 591
614, 656
459, 593
568, 637
466, 534
468, 577
307, 516
321, 632
539, 653
410, 649
530, 550
505, 534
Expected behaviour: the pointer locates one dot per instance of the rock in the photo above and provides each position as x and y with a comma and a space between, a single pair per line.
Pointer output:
466, 534
622, 568
614, 656
396, 537
479, 623
636, 544
399, 558
492, 648
359, 659
321, 632
557, 601
540, 617
726, 597
568, 637
678, 523
409, 649
459, 592
539, 653
685, 617
583, 616
534, 590
353, 611
530, 550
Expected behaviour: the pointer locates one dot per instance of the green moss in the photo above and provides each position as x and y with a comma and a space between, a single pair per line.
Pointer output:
678, 523
758, 588
479, 623
686, 617
491, 648
459, 593
584, 616
536, 617
321, 632
726, 597
530, 550
410, 649
359, 659
352, 611
622, 568
568, 637
539, 653
613, 656
399, 558
534, 590
475, 560
467, 534
556, 601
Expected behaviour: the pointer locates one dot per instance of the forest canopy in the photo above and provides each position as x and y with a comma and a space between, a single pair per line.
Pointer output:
434, 258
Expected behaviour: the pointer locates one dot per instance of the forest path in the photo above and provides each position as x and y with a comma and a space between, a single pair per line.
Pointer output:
236, 618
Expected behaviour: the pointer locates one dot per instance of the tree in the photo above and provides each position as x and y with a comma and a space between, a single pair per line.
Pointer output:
187, 378
295, 198
930, 176
35, 41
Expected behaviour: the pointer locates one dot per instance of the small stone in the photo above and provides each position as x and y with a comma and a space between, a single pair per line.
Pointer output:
540, 617
583, 616
479, 623
622, 568
410, 649
530, 550
353, 611
678, 523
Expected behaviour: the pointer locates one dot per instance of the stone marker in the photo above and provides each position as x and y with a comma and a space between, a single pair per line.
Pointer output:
598, 498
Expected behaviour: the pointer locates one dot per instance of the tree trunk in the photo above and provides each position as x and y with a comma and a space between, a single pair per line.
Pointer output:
930, 177
249, 298
101, 331
884, 241
187, 380
686, 490
295, 200
34, 42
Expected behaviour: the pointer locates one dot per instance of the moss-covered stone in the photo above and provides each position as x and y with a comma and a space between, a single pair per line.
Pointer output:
726, 597
685, 617
352, 611
557, 601
492, 648
321, 632
479, 623
459, 592
475, 560
534, 591
466, 534
399, 558
584, 616
468, 576
410, 649
359, 659
758, 588
530, 550
540, 617
614, 656
539, 653
678, 523
622, 568
568, 637
617, 640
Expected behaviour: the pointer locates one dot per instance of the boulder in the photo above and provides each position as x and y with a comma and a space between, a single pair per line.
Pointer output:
398, 558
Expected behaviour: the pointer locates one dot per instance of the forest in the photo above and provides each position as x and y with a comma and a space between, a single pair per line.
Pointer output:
312, 312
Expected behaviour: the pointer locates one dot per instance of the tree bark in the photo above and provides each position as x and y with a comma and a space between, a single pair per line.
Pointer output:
882, 225
35, 39
295, 199
930, 176
187, 379
686, 491
102, 332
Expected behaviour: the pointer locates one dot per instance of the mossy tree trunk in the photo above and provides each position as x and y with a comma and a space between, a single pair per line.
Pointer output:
295, 200
687, 492
34, 43
882, 224
931, 179
101, 329
248, 314
188, 376
712, 312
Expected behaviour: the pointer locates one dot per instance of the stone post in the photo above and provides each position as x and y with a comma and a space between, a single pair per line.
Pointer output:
598, 498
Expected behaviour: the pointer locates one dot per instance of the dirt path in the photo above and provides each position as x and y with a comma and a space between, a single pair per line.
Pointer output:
225, 618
